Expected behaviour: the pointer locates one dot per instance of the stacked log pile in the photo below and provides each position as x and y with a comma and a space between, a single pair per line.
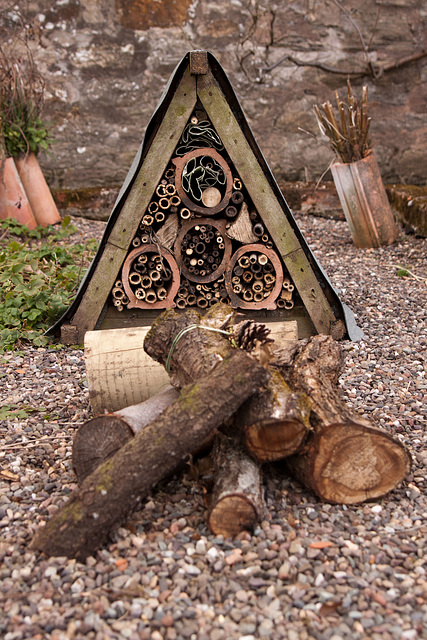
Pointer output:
278, 406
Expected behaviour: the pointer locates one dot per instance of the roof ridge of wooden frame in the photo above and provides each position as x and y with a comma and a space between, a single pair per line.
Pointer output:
209, 85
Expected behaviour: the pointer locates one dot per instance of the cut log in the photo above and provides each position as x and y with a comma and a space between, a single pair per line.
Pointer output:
188, 348
119, 373
346, 459
237, 501
117, 486
275, 421
99, 438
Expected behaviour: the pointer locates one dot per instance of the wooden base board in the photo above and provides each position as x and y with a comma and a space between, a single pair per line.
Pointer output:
121, 374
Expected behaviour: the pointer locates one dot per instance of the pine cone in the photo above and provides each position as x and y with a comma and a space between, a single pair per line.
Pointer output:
248, 334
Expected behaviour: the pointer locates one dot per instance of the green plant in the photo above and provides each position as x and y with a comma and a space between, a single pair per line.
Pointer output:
38, 280
348, 133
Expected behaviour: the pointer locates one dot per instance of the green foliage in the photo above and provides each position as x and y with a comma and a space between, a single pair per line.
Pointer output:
39, 276
23, 411
403, 272
22, 97
28, 133
11, 412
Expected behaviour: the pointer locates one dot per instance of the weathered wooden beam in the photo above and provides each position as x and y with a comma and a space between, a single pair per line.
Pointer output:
266, 202
150, 173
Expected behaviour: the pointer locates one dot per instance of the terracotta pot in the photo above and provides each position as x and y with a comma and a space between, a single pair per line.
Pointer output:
364, 201
37, 190
13, 198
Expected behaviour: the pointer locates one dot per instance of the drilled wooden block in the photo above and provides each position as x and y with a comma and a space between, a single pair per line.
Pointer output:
198, 62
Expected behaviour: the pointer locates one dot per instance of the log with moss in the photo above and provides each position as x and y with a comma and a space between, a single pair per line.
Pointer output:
102, 436
117, 487
346, 459
275, 421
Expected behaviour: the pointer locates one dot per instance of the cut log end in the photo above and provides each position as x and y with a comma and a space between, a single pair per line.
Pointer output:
97, 440
354, 463
271, 440
231, 515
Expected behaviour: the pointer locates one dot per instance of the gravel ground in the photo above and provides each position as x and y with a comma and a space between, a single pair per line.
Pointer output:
308, 571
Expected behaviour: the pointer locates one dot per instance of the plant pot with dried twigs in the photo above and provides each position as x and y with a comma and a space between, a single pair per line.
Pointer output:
24, 134
356, 174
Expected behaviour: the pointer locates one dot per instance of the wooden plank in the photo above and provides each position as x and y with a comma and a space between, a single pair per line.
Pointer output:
119, 372
282, 332
266, 202
98, 289
155, 162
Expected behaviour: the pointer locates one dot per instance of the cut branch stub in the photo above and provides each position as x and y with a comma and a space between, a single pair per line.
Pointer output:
346, 459
350, 463
275, 421
237, 501
101, 437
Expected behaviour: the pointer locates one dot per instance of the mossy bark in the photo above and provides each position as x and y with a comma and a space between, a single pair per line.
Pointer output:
117, 487
237, 501
346, 459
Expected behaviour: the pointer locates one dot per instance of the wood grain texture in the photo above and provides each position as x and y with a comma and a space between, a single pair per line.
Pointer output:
119, 372
346, 458
153, 166
266, 203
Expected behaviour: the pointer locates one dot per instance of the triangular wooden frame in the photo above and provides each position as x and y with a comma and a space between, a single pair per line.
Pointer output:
199, 77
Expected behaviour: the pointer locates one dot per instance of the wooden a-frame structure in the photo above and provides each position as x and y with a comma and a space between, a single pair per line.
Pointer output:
199, 83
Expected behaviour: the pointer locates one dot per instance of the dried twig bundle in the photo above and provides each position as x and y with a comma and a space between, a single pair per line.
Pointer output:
348, 132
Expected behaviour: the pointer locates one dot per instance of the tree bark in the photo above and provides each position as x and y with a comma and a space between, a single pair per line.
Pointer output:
275, 421
117, 486
188, 345
237, 501
101, 437
346, 459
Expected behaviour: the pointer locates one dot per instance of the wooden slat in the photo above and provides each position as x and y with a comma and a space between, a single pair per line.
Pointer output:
266, 202
98, 289
155, 162
158, 156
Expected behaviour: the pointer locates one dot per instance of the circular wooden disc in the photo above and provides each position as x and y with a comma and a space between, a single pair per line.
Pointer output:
211, 197
232, 515
355, 462
97, 440
274, 439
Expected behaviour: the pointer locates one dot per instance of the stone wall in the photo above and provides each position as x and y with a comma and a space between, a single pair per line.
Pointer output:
107, 62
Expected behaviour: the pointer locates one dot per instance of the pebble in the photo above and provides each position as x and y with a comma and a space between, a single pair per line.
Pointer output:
308, 571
